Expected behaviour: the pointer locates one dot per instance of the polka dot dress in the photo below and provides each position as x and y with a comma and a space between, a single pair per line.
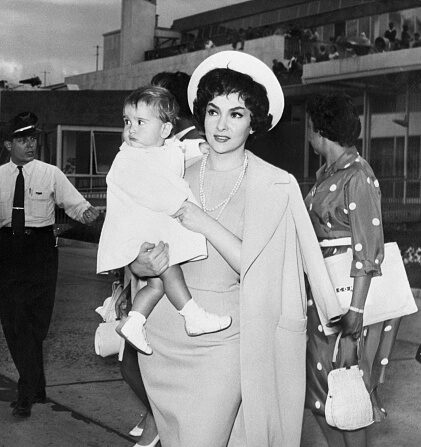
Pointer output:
345, 202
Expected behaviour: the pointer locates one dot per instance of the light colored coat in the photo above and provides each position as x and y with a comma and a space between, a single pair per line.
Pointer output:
279, 244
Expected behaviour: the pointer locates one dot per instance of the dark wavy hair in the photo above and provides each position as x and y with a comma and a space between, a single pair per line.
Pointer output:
159, 98
177, 84
223, 81
335, 117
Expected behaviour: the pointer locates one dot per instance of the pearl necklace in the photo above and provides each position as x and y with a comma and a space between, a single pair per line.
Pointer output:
234, 190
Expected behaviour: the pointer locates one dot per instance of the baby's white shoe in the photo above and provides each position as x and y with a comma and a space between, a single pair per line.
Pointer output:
133, 330
198, 321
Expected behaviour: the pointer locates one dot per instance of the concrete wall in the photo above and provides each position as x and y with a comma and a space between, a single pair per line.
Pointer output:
358, 67
111, 55
131, 77
137, 30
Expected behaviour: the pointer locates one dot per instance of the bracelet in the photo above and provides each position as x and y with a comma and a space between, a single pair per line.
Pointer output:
356, 309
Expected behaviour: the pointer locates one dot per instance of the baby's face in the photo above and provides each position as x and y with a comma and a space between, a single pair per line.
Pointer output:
142, 127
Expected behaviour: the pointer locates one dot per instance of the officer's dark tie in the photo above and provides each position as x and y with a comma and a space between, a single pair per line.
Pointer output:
18, 212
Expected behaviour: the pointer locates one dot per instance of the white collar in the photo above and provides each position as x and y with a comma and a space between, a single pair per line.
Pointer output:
180, 135
27, 167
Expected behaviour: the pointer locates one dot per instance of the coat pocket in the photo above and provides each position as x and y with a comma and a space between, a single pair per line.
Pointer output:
292, 324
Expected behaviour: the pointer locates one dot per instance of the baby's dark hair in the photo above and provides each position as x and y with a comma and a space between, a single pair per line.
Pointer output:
335, 117
224, 81
159, 98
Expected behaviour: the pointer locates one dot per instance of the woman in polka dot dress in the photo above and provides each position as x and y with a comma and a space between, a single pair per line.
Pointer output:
345, 210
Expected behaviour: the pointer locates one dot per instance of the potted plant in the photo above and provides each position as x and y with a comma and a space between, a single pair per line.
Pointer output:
412, 260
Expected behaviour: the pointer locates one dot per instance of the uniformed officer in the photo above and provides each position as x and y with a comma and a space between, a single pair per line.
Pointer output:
29, 191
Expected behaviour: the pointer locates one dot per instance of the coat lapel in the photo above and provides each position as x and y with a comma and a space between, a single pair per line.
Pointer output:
266, 202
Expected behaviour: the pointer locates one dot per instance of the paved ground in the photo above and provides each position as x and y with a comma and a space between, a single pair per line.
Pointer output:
89, 404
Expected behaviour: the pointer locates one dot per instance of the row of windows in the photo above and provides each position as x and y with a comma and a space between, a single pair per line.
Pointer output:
285, 14
372, 26
87, 156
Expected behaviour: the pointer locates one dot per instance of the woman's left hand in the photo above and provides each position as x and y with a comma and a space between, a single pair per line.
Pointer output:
192, 217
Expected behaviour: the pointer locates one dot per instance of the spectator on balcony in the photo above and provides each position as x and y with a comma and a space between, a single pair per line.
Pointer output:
307, 34
250, 33
242, 35
390, 35
295, 67
293, 32
267, 31
237, 38
417, 41
341, 42
315, 35
308, 40
322, 55
278, 68
309, 58
405, 37
364, 40
333, 52
279, 31
209, 44
360, 44
380, 45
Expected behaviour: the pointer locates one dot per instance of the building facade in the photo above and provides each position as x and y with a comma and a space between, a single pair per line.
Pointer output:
382, 75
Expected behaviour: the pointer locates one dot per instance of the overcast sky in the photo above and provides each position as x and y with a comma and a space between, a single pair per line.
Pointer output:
60, 36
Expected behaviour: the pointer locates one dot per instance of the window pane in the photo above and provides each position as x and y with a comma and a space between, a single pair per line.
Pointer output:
381, 156
106, 146
364, 26
414, 149
328, 32
352, 28
412, 190
76, 152
398, 165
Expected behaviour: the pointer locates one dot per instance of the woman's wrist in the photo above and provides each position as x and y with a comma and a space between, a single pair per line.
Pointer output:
209, 228
356, 309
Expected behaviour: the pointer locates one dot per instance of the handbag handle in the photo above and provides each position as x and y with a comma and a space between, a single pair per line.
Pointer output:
336, 348
114, 297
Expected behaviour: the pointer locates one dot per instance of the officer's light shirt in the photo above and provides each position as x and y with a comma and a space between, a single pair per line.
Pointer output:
45, 187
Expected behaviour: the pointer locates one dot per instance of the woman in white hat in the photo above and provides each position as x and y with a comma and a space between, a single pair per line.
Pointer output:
259, 239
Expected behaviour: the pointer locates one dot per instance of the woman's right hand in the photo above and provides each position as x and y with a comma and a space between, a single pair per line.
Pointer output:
352, 324
151, 261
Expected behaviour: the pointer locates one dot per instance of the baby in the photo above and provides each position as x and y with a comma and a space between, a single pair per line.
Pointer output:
145, 187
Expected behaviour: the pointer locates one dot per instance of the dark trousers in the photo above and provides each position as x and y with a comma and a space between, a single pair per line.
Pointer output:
28, 269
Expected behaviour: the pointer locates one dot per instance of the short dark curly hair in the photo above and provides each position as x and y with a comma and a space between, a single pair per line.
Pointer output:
335, 117
177, 84
159, 98
224, 81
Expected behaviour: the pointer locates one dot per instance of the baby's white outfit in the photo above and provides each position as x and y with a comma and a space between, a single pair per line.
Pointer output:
145, 186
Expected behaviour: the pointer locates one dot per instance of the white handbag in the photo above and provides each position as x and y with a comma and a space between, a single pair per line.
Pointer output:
107, 341
348, 405
389, 296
